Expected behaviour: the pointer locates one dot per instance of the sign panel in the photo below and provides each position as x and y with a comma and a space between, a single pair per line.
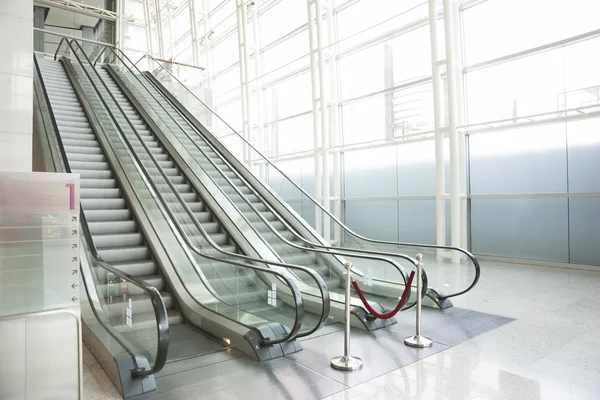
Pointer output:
39, 242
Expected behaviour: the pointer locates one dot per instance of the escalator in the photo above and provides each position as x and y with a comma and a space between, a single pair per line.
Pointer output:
205, 160
290, 236
226, 281
150, 304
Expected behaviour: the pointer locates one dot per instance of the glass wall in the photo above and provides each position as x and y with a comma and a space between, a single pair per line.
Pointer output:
531, 92
533, 186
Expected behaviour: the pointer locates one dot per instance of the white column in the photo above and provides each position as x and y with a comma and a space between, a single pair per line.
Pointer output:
438, 120
193, 32
325, 132
16, 84
159, 32
259, 90
335, 120
455, 194
148, 26
314, 75
244, 78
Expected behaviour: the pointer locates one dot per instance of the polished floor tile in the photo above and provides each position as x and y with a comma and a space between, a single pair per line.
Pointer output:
549, 351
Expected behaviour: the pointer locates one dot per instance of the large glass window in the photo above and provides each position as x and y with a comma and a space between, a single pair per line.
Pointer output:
498, 27
283, 18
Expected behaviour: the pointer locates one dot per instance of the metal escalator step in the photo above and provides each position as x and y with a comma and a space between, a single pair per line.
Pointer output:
72, 124
82, 150
153, 280
209, 227
91, 174
253, 217
98, 183
89, 165
244, 207
100, 193
187, 197
112, 227
195, 206
115, 240
277, 225
78, 136
72, 156
181, 188
107, 215
200, 216
80, 143
159, 157
137, 268
149, 163
126, 253
103, 204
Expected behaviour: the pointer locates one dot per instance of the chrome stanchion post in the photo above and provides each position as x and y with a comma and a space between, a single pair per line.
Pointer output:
417, 340
347, 362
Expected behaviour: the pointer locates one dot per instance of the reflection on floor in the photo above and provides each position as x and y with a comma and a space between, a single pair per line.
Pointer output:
549, 352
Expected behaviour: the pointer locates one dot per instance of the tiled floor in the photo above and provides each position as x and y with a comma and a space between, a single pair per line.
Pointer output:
551, 351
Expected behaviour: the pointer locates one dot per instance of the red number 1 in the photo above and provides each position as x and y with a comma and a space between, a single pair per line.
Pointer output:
71, 187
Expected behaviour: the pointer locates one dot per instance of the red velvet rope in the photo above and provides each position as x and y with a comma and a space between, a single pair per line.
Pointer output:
395, 310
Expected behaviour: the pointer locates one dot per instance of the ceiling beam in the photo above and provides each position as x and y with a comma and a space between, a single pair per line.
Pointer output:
79, 8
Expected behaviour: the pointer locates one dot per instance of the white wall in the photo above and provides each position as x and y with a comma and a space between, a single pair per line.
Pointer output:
16, 84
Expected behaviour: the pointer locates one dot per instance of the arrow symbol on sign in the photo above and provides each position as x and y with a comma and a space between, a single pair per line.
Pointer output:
74, 232
74, 272
74, 246
74, 259
74, 299
74, 285
73, 219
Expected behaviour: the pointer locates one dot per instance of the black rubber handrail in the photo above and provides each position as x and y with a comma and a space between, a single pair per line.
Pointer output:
296, 293
158, 304
342, 225
322, 249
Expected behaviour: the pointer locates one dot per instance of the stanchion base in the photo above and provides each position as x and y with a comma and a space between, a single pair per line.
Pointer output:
344, 363
418, 341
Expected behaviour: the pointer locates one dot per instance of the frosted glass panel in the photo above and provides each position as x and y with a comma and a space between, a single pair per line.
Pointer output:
521, 228
584, 155
531, 160
373, 219
371, 173
39, 242
416, 221
416, 169
584, 230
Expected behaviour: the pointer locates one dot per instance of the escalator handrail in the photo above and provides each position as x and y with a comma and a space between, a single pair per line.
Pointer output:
330, 250
160, 310
296, 293
304, 192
